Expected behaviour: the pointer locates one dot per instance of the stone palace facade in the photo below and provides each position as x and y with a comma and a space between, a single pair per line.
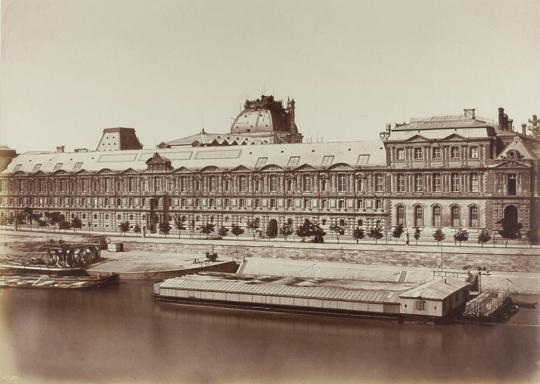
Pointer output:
445, 172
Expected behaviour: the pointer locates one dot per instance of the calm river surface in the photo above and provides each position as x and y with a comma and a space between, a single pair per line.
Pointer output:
118, 334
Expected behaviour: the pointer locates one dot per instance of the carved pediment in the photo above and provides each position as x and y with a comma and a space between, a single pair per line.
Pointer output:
158, 163
211, 168
272, 168
305, 168
182, 170
340, 167
130, 171
416, 139
105, 171
511, 164
241, 168
453, 137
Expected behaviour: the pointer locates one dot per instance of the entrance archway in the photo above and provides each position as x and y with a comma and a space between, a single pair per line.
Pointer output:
510, 215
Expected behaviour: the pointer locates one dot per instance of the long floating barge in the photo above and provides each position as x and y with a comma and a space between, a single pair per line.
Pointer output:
433, 300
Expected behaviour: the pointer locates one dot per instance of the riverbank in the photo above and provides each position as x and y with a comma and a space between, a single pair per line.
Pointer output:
515, 269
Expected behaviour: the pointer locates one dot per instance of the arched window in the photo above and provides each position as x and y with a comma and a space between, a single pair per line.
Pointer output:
436, 216
418, 216
400, 215
473, 216
455, 216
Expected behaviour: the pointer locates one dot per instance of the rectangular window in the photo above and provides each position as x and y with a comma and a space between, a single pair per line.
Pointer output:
341, 204
474, 183
401, 183
243, 183
307, 183
324, 204
512, 184
473, 152
324, 185
418, 183
436, 182
212, 183
455, 182
418, 154
400, 154
342, 183
420, 305
454, 153
261, 161
306, 203
327, 160
57, 166
273, 183
241, 203
289, 185
378, 183
293, 161
436, 153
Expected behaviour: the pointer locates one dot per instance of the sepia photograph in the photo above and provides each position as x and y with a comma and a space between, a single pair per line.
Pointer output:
269, 191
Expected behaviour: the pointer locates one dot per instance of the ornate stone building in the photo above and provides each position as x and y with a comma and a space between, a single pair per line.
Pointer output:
450, 172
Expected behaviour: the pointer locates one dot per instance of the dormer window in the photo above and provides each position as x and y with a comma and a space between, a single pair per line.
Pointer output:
293, 161
57, 166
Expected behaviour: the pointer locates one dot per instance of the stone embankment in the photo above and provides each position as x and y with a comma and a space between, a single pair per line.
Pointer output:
515, 268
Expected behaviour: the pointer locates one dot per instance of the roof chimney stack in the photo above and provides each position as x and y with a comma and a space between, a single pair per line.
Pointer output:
469, 113
60, 149
523, 129
501, 118
510, 125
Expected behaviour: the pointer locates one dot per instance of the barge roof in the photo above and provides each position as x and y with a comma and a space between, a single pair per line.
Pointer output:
275, 286
436, 289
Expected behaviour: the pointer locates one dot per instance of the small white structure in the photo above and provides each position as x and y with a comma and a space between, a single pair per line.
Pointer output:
115, 246
436, 298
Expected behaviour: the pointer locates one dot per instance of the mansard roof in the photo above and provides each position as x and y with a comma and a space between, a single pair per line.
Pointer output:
287, 156
444, 122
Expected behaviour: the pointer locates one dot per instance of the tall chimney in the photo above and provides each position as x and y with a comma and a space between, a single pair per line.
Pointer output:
60, 149
523, 129
510, 125
501, 118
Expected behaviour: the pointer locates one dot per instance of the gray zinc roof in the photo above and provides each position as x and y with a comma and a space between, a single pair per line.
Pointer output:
443, 122
436, 289
220, 284
357, 153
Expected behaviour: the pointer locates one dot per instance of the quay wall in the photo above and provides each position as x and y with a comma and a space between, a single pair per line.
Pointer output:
515, 260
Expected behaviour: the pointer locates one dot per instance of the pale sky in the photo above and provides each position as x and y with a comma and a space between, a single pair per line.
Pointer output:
70, 68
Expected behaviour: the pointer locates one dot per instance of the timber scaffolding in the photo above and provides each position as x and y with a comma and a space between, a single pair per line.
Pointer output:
487, 305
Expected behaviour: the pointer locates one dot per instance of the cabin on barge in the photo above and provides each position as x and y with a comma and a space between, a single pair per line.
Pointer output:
437, 298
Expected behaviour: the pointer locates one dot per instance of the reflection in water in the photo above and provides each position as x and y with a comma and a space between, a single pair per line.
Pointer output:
120, 334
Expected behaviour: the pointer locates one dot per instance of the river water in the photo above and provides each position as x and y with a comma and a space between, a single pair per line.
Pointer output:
119, 334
